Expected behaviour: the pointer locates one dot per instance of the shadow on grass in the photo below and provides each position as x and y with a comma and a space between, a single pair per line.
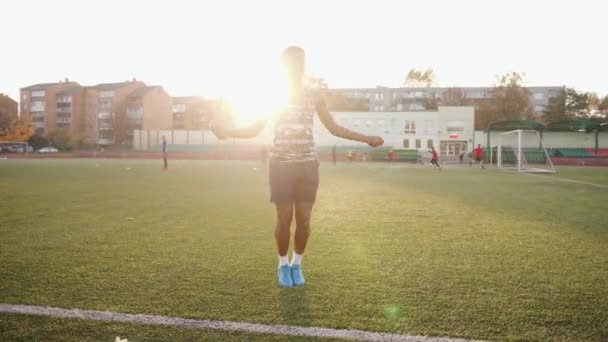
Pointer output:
295, 308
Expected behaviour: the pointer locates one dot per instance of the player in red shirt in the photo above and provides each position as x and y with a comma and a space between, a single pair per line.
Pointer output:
390, 155
435, 158
478, 152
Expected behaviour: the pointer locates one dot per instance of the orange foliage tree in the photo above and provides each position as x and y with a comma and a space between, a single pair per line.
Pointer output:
20, 129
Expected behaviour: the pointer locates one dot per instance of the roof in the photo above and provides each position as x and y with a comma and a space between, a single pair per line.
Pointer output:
42, 86
578, 125
183, 99
142, 91
72, 90
110, 86
510, 125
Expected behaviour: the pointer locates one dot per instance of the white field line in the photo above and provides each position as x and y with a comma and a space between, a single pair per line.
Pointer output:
603, 186
356, 335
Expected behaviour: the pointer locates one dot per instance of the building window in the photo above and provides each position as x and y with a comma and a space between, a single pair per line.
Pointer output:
539, 96
367, 95
64, 99
429, 127
406, 143
538, 108
429, 143
455, 127
179, 107
399, 107
418, 145
38, 93
106, 93
475, 95
410, 127
37, 106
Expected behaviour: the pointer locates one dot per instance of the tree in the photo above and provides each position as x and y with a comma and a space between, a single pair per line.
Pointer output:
20, 129
419, 79
339, 102
512, 101
603, 107
556, 110
453, 97
60, 138
37, 142
579, 104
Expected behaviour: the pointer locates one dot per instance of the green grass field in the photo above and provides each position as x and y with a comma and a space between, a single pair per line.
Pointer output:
464, 252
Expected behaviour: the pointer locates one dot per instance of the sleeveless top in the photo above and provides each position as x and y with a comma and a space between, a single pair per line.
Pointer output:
293, 131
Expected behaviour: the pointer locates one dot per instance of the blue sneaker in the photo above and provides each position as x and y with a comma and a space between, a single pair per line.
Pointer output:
297, 275
285, 276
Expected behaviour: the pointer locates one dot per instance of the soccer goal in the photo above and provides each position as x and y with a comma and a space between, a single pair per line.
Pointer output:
17, 147
522, 151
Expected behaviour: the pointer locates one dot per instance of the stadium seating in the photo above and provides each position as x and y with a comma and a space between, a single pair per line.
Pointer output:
602, 152
571, 152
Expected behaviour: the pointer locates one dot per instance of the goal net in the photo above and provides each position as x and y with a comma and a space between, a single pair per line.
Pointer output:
522, 151
15, 147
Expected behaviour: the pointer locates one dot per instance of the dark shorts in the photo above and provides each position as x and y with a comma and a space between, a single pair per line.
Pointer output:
294, 182
478, 159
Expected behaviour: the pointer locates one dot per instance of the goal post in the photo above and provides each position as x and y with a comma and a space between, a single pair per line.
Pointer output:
522, 150
20, 147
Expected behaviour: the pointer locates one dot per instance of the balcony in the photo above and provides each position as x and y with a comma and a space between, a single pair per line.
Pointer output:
104, 115
38, 124
64, 110
64, 120
104, 141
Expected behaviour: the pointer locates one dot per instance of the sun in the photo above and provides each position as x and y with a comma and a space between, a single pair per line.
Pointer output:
259, 94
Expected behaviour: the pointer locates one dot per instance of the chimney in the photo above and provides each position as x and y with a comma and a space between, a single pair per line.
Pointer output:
67, 80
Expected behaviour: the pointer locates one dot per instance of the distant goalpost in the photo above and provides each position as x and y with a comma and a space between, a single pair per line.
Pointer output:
15, 147
521, 150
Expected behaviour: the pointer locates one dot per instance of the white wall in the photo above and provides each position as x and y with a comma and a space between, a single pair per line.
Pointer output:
551, 139
389, 125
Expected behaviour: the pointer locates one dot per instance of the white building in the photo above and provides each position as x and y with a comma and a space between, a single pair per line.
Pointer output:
449, 129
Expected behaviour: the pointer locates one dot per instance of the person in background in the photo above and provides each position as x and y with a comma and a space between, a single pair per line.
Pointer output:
350, 156
461, 157
164, 154
263, 154
478, 153
390, 155
435, 158
334, 157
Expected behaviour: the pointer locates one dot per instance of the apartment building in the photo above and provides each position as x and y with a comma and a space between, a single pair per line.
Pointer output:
385, 99
53, 105
9, 109
148, 107
106, 106
192, 112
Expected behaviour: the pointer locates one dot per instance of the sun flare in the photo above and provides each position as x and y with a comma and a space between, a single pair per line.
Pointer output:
263, 94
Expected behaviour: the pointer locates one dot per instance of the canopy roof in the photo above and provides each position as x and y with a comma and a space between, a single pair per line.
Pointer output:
578, 125
511, 125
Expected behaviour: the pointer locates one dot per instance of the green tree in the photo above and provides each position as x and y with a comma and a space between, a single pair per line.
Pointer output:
62, 139
579, 104
603, 107
512, 101
556, 110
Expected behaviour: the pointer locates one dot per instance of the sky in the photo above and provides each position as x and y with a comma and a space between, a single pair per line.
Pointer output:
228, 47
